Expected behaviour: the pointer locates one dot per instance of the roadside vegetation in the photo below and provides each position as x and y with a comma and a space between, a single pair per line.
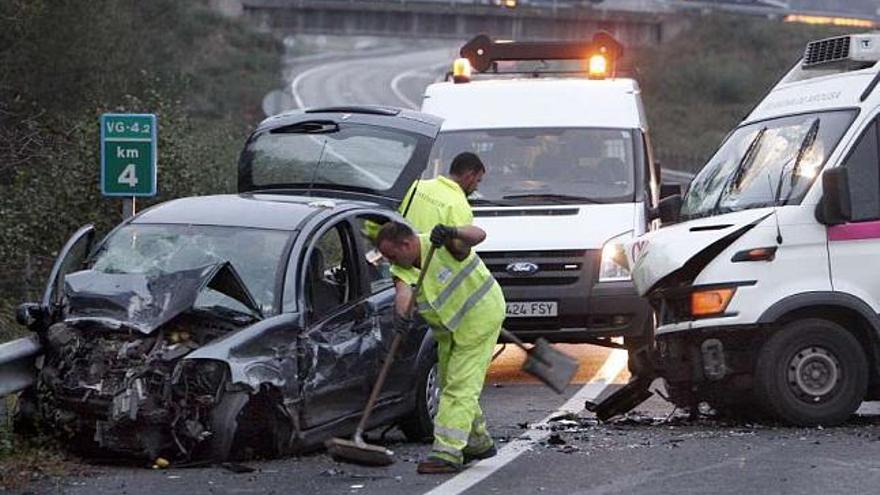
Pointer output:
65, 62
703, 83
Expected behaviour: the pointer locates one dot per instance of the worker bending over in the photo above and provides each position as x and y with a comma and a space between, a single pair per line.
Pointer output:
465, 308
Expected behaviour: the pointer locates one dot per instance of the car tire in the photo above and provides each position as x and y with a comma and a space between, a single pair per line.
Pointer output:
811, 372
224, 426
418, 426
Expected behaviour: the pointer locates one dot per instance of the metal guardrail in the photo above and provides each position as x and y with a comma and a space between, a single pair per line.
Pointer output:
17, 364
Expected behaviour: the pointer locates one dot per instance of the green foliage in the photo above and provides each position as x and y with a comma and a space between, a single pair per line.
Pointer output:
703, 83
65, 62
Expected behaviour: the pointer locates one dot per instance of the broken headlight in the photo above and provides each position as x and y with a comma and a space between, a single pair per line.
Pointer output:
201, 379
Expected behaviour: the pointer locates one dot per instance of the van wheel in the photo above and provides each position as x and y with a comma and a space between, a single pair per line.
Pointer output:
811, 372
419, 425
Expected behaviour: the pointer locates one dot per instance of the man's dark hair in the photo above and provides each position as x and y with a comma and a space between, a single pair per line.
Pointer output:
466, 162
394, 232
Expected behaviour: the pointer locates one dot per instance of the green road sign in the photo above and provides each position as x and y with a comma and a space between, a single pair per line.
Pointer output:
128, 154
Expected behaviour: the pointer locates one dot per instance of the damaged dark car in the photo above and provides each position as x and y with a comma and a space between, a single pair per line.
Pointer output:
246, 324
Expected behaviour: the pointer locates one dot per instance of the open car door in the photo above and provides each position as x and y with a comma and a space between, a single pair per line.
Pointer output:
17, 357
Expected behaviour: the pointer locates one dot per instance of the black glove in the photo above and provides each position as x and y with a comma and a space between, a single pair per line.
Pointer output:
441, 234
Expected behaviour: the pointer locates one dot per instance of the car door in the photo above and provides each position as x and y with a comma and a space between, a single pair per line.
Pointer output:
339, 345
378, 290
854, 247
70, 259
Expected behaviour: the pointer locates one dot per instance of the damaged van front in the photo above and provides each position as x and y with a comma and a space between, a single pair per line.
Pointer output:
764, 290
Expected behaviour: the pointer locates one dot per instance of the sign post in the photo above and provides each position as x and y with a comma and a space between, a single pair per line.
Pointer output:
128, 157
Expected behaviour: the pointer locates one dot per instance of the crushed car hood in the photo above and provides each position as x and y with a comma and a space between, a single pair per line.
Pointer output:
658, 254
144, 302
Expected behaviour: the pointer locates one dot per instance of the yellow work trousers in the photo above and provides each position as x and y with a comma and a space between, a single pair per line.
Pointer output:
463, 357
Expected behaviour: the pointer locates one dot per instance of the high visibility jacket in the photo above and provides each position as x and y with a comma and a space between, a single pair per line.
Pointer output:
436, 201
439, 200
455, 291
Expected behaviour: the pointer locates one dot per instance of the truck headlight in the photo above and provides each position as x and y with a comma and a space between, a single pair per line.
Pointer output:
613, 266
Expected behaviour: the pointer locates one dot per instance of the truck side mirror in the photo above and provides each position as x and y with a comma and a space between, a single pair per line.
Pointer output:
836, 205
668, 211
667, 190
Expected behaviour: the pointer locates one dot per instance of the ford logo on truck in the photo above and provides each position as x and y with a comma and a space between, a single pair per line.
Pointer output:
522, 268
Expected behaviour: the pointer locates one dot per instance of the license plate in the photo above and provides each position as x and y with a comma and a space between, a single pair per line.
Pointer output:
531, 309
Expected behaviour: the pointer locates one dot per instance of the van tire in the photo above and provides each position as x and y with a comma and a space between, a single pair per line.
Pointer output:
811, 372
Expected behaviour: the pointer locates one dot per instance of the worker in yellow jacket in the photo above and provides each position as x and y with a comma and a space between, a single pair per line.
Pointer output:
465, 307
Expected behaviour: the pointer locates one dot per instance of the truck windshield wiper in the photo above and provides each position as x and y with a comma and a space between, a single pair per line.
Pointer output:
487, 202
743, 165
809, 139
560, 198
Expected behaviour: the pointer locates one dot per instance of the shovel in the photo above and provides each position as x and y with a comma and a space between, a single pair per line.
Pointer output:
551, 366
357, 450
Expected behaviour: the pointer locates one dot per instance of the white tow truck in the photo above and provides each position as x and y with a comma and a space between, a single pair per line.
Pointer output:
570, 178
767, 291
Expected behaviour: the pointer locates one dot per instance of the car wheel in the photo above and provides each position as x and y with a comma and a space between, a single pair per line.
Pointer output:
224, 426
419, 425
811, 372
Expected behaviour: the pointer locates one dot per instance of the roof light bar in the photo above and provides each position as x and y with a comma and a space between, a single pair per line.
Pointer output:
483, 52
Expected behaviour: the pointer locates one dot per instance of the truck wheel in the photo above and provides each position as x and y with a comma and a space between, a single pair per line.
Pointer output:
811, 372
419, 425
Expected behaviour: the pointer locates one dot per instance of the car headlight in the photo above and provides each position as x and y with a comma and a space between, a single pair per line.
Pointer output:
613, 266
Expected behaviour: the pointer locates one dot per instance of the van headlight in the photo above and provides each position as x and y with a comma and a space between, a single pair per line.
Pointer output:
613, 266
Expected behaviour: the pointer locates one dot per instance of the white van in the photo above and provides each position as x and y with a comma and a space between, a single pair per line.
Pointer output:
768, 290
569, 180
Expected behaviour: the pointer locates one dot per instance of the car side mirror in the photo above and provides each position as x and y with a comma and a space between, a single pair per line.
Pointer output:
836, 205
29, 314
668, 211
669, 189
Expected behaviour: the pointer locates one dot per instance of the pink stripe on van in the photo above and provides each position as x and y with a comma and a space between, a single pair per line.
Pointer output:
854, 231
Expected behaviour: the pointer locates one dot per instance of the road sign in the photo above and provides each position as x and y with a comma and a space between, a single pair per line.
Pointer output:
128, 154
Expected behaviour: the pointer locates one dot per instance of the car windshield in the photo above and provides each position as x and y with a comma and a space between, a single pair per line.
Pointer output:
546, 165
349, 156
766, 163
152, 249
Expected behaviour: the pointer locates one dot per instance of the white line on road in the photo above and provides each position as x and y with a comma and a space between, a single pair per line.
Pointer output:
395, 83
612, 367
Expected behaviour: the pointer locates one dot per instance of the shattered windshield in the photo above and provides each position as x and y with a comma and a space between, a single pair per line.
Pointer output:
163, 249
766, 163
350, 156
545, 165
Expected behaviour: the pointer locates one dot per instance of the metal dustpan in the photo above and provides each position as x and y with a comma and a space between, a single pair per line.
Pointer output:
551, 366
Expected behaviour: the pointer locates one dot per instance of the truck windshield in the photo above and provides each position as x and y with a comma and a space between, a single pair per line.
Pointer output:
766, 163
546, 165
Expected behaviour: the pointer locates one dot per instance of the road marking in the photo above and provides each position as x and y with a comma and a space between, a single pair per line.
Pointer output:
395, 83
613, 366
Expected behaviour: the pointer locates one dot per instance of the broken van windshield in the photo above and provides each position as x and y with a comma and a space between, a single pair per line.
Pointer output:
546, 165
764, 161
163, 249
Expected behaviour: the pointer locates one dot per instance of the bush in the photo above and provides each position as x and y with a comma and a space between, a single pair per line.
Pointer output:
65, 63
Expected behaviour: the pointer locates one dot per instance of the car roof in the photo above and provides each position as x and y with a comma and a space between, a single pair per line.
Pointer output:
545, 102
263, 211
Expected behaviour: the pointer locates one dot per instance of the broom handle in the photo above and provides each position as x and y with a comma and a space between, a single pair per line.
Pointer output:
395, 344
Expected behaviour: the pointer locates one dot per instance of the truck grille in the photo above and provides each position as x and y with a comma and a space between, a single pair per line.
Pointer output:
563, 267
827, 50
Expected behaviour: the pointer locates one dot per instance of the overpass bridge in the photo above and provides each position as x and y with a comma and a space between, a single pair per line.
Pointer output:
455, 20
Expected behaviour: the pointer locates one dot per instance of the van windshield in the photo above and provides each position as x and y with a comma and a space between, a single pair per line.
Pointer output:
546, 165
766, 163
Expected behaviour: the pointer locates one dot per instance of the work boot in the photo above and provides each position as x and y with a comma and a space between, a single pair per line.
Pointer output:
433, 465
470, 457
